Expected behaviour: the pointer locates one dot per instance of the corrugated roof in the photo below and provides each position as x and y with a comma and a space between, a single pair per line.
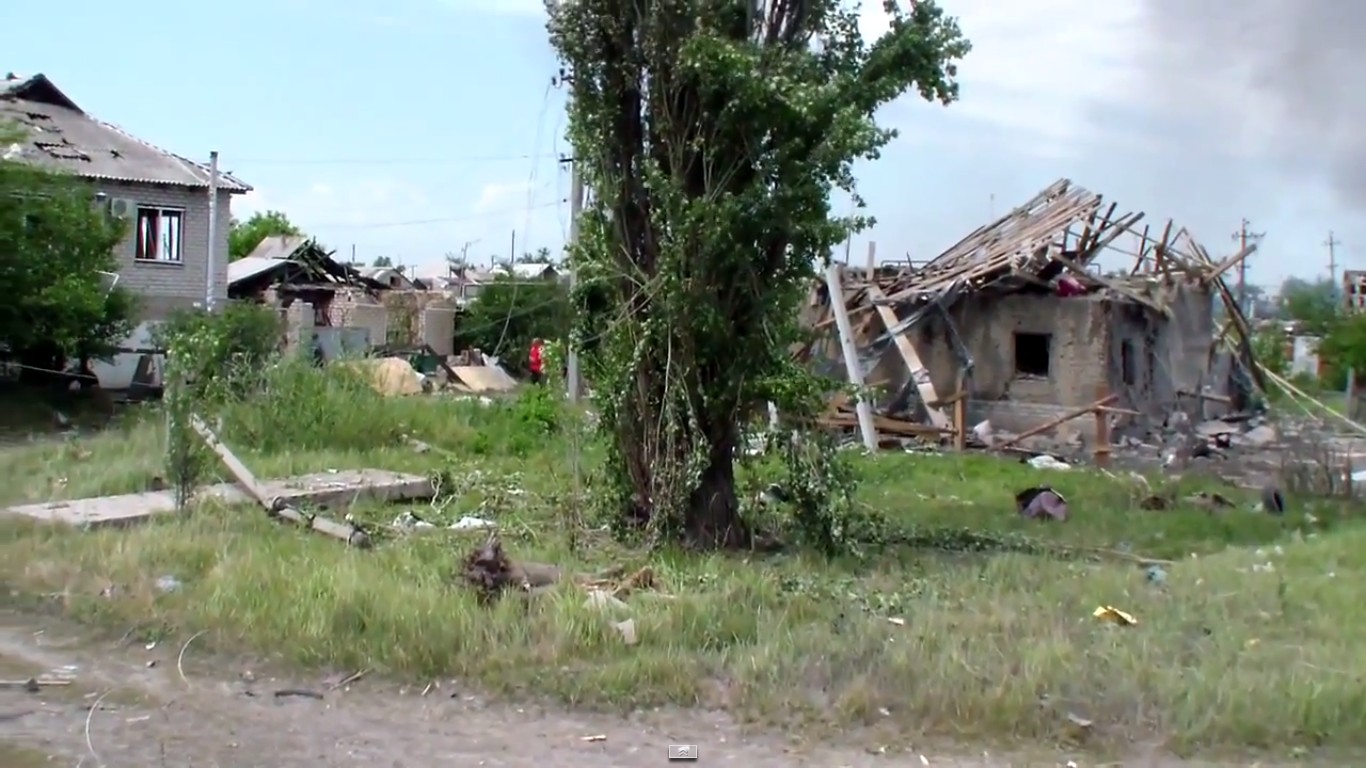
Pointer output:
278, 246
248, 267
62, 136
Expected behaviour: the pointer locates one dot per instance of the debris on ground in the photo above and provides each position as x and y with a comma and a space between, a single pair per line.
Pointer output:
1114, 616
1272, 500
627, 630
1041, 503
390, 376
491, 572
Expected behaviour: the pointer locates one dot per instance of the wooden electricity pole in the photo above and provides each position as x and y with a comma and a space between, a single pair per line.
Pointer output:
1332, 243
1242, 236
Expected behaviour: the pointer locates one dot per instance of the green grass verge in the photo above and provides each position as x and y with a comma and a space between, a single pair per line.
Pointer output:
1251, 641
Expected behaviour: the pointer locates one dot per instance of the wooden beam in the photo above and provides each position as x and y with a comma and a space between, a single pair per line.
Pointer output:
920, 375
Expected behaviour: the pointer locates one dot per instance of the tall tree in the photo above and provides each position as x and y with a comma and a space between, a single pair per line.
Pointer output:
1313, 304
244, 236
56, 252
712, 133
382, 261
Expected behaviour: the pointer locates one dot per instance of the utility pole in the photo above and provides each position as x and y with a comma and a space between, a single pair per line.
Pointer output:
575, 208
1242, 236
211, 267
1333, 243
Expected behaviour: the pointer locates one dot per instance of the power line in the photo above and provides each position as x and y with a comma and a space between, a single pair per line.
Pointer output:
446, 160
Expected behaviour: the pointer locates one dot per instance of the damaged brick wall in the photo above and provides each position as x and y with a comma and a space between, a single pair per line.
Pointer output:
353, 308
421, 317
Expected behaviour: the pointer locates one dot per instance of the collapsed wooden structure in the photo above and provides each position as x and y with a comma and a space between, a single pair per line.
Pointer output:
1016, 324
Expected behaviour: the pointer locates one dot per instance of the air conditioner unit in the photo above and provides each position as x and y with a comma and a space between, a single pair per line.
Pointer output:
123, 208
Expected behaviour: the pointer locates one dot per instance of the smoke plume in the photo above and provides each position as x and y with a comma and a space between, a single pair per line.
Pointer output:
1285, 77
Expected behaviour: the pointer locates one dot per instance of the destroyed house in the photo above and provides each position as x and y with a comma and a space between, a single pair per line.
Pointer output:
1016, 321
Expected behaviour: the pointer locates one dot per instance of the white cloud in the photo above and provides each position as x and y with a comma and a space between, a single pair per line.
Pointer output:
502, 195
1039, 70
415, 223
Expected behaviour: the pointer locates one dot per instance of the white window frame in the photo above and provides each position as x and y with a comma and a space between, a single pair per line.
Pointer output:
176, 248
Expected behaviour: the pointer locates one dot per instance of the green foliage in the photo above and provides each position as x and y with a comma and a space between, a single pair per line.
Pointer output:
244, 236
1316, 305
508, 313
219, 350
712, 136
382, 261
54, 244
1344, 347
210, 358
523, 426
1268, 347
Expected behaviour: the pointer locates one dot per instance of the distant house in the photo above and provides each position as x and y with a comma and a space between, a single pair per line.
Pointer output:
389, 276
163, 196
528, 271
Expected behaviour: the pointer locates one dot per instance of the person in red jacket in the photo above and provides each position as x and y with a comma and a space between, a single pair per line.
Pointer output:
537, 361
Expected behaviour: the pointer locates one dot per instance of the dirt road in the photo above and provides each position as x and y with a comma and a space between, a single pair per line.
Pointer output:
222, 715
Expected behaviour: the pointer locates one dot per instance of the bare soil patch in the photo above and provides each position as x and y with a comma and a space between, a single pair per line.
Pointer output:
222, 713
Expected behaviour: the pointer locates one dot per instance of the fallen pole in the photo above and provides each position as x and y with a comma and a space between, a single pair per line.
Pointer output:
275, 506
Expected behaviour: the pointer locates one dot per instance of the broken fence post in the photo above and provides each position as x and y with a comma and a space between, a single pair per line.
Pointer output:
835, 283
1102, 452
276, 507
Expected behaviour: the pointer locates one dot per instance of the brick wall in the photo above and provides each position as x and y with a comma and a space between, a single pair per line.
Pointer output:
165, 287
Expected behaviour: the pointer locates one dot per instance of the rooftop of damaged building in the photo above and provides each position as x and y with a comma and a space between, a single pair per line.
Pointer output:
62, 136
1019, 319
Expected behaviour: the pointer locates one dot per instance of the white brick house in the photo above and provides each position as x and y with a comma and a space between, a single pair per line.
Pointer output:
164, 197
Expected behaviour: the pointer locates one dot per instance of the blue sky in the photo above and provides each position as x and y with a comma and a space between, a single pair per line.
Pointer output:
409, 128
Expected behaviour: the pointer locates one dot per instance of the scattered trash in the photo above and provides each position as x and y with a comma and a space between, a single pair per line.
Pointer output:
600, 600
594, 737
1041, 503
627, 630
1155, 575
168, 584
1209, 501
1079, 721
470, 523
984, 433
1045, 461
1115, 616
900, 622
408, 521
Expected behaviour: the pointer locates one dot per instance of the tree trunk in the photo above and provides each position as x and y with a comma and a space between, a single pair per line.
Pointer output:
713, 520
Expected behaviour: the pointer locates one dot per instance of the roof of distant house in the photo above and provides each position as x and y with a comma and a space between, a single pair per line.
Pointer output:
528, 270
63, 136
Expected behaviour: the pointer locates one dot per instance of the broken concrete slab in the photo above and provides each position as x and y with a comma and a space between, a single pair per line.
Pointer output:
1258, 437
318, 490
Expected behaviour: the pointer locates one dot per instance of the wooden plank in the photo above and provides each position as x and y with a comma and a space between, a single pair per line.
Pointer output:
1054, 423
919, 373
